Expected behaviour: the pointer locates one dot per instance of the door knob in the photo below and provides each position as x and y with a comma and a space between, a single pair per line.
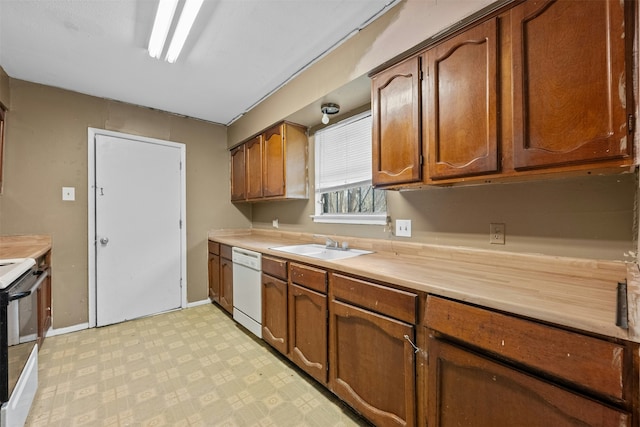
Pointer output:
104, 240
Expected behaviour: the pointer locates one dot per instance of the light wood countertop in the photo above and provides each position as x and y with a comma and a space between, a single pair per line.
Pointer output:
24, 246
572, 292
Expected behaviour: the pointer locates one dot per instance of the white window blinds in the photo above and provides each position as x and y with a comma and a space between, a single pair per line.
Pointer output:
343, 154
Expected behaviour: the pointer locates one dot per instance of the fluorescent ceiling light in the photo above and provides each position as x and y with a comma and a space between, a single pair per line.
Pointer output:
161, 25
187, 17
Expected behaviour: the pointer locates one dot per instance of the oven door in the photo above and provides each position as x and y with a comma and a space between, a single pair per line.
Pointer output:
22, 310
18, 306
18, 310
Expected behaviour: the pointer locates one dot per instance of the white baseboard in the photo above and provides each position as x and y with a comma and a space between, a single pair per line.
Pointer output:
197, 303
61, 331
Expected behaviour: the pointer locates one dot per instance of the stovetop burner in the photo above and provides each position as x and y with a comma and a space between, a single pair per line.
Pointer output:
12, 269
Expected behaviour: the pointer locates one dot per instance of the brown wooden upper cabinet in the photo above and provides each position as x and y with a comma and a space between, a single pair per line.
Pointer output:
461, 124
275, 167
396, 133
253, 174
570, 88
274, 162
543, 86
2, 114
238, 171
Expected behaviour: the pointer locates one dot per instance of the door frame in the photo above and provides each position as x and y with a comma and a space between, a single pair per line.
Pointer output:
91, 205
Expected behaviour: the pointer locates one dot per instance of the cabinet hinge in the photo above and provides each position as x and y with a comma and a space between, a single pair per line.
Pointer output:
180, 224
630, 122
622, 311
421, 159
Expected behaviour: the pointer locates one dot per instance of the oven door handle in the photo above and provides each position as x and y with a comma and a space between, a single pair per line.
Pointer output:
19, 295
22, 294
42, 274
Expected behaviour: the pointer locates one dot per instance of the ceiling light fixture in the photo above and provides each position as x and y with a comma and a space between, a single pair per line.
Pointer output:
164, 16
162, 24
187, 18
328, 109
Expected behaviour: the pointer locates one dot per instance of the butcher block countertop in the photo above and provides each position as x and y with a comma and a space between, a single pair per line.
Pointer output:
572, 292
24, 246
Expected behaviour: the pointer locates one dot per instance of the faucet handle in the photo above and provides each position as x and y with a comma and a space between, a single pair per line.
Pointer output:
345, 246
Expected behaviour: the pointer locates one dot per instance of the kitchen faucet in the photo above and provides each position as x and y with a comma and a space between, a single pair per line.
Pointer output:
333, 244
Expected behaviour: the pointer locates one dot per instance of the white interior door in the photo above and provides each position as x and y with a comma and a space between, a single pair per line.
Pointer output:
137, 228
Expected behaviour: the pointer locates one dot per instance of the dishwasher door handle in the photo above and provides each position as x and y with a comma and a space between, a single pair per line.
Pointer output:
250, 254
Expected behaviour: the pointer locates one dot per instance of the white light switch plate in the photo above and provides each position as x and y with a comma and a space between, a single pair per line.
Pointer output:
69, 193
403, 227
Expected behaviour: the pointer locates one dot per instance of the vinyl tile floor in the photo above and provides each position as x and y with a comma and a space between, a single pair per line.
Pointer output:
192, 367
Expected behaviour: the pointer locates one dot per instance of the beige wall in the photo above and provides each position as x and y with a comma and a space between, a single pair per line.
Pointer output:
591, 216
4, 88
406, 25
46, 149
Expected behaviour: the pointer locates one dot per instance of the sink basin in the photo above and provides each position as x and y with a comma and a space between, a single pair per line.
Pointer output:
314, 250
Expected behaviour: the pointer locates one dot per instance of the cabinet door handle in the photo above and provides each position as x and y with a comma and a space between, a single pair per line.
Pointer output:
416, 349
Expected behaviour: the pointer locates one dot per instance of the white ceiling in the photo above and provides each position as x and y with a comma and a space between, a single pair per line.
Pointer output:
237, 53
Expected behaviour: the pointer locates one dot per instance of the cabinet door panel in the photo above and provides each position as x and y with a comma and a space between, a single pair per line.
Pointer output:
214, 277
238, 172
396, 134
466, 389
226, 284
253, 156
570, 83
462, 104
308, 331
44, 308
274, 312
273, 172
372, 364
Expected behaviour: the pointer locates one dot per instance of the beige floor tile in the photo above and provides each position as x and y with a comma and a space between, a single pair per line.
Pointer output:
192, 367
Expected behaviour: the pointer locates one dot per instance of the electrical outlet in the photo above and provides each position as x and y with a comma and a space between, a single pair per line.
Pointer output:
403, 227
496, 234
275, 223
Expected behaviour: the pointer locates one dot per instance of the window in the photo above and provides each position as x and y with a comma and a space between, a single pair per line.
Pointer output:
343, 192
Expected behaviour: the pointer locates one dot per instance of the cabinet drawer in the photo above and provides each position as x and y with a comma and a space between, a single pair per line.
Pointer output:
214, 247
274, 267
399, 304
312, 278
225, 252
583, 360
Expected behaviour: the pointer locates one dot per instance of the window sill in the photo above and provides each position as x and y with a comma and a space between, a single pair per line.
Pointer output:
379, 219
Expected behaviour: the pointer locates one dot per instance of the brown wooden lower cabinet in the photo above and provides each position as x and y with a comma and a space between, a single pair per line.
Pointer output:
214, 277
308, 331
372, 364
466, 389
44, 299
274, 311
474, 366
226, 278
371, 336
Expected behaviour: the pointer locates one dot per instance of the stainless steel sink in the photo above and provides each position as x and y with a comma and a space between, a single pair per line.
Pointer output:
314, 250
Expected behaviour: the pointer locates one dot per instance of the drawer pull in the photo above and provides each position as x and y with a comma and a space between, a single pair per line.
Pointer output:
416, 349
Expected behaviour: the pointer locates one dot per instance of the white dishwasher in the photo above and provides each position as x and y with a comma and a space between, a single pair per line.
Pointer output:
247, 290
